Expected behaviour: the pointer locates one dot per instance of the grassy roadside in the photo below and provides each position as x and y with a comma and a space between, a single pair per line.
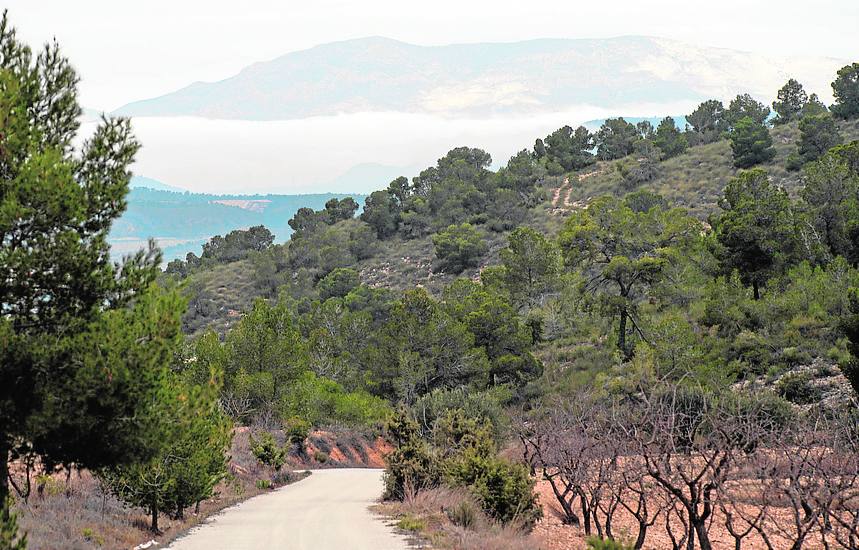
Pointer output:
446, 518
75, 512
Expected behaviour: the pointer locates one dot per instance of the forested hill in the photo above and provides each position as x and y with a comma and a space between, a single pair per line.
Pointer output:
412, 234
182, 221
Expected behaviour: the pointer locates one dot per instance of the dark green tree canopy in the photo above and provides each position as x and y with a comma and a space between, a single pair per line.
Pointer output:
846, 92
708, 120
669, 139
751, 143
791, 101
831, 193
531, 265
459, 247
624, 247
756, 229
615, 139
84, 342
567, 149
817, 135
744, 106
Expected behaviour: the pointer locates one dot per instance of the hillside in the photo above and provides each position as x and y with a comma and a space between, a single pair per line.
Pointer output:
694, 180
546, 75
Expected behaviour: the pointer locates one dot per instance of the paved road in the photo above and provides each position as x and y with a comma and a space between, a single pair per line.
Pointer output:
327, 510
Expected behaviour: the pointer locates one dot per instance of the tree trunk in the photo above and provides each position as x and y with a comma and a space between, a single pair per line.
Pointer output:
642, 533
703, 536
621, 332
154, 511
756, 289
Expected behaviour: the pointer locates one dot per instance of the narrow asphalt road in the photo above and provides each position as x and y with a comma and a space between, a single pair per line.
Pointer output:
327, 510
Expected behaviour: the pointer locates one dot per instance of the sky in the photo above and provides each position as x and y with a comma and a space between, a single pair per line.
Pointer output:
133, 50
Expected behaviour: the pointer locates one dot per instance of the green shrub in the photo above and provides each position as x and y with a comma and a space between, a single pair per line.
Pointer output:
796, 387
411, 466
319, 400
297, 429
411, 523
267, 451
504, 489
263, 484
458, 247
90, 535
320, 457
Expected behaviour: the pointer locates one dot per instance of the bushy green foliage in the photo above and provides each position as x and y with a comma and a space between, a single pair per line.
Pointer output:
751, 143
458, 247
338, 283
790, 103
818, 134
531, 266
469, 459
615, 139
297, 429
411, 466
190, 459
756, 229
708, 121
845, 88
463, 454
422, 348
669, 139
267, 451
84, 342
314, 400
566, 149
744, 106
831, 194
626, 246
850, 325
797, 388
482, 406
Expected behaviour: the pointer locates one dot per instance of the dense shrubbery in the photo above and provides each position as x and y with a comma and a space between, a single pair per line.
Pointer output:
462, 453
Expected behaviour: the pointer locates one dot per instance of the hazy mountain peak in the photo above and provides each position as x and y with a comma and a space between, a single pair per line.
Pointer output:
476, 80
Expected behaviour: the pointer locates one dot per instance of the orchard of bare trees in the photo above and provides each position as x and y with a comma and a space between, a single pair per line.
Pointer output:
696, 470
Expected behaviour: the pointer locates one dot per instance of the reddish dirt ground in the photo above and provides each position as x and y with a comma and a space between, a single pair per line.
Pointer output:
553, 534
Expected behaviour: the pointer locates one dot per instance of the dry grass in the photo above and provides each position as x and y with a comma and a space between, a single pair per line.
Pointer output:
78, 514
449, 518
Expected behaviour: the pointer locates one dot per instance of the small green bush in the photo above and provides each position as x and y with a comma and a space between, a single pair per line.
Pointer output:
411, 466
504, 489
267, 451
297, 429
263, 484
796, 387
320, 457
91, 536
411, 523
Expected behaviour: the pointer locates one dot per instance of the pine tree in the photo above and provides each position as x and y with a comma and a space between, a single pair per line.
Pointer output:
84, 342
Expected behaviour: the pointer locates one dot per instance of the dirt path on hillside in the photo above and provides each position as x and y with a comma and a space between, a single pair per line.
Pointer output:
329, 509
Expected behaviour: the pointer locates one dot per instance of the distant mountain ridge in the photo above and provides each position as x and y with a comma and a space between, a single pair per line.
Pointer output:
380, 74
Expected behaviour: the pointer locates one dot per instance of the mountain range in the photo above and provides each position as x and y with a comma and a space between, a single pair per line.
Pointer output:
479, 80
